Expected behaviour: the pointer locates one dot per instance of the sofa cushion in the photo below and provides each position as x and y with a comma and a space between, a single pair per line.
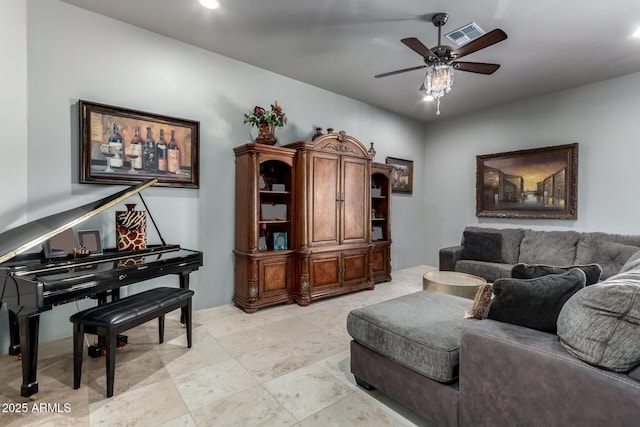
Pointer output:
531, 271
511, 238
490, 271
610, 255
601, 324
534, 303
549, 247
420, 331
482, 246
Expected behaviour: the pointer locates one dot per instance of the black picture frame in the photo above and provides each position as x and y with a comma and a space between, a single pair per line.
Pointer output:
401, 175
538, 183
90, 239
97, 125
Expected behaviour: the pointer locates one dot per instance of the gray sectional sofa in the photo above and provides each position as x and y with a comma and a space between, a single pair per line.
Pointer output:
491, 253
420, 350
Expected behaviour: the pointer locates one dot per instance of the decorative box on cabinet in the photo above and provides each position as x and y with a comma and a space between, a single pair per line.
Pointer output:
265, 205
334, 221
381, 221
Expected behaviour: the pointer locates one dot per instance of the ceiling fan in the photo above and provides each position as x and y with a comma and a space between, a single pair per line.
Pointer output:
442, 60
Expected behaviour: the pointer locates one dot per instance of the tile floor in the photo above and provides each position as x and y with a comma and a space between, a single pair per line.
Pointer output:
281, 366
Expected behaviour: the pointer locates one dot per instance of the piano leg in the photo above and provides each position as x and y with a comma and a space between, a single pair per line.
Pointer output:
184, 284
29, 326
14, 334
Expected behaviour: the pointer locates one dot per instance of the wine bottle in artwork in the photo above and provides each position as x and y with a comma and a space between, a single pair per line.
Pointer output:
136, 147
149, 153
161, 153
173, 154
115, 141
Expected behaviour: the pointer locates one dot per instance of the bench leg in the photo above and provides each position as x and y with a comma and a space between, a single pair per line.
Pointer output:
78, 338
188, 318
111, 344
161, 329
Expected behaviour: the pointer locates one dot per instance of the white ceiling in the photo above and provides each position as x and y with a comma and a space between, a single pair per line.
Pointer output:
339, 45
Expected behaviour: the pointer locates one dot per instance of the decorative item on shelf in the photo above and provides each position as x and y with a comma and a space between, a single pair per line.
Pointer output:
280, 241
262, 240
81, 252
376, 233
266, 121
317, 134
273, 211
329, 130
131, 229
372, 152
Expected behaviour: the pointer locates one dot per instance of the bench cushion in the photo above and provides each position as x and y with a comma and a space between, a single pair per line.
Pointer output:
420, 331
131, 307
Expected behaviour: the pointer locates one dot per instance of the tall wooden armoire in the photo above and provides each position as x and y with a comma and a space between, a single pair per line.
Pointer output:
334, 221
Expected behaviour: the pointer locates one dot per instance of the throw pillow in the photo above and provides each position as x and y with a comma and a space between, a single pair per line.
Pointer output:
531, 271
601, 325
480, 302
480, 246
534, 303
610, 255
632, 263
511, 238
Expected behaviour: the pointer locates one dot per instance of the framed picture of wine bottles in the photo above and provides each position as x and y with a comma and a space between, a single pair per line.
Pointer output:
123, 146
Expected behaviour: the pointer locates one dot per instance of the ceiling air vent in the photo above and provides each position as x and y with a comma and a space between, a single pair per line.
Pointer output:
464, 35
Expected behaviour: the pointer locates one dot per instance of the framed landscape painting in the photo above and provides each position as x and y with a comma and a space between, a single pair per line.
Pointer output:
401, 175
540, 183
122, 146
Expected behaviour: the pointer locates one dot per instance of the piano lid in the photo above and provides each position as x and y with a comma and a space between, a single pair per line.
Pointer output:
26, 236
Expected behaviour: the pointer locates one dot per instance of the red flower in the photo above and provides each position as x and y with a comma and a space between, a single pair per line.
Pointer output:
258, 111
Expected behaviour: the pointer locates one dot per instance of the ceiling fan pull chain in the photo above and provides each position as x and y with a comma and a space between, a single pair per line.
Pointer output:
438, 107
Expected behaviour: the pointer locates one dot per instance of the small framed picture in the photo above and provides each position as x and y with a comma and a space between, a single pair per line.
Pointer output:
90, 239
60, 245
262, 244
279, 241
401, 175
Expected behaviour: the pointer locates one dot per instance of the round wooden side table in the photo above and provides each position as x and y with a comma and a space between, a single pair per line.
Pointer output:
450, 282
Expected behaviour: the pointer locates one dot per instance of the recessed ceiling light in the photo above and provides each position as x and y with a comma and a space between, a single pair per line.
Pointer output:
210, 4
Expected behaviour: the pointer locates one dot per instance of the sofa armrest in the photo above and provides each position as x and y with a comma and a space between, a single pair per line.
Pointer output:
510, 375
449, 256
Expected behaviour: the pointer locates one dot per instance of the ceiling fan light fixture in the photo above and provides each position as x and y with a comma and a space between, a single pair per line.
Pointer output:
210, 4
438, 80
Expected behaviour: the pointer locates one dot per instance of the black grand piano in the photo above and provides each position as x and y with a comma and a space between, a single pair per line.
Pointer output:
30, 284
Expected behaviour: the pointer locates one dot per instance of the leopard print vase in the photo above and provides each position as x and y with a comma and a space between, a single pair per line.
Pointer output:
131, 229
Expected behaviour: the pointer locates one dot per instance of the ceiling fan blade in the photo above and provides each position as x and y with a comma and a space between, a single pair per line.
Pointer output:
419, 48
475, 67
491, 38
391, 73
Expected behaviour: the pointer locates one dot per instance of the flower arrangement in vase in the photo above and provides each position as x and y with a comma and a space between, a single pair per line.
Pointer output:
266, 121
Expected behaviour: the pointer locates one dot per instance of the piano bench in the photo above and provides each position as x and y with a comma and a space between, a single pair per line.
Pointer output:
115, 317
